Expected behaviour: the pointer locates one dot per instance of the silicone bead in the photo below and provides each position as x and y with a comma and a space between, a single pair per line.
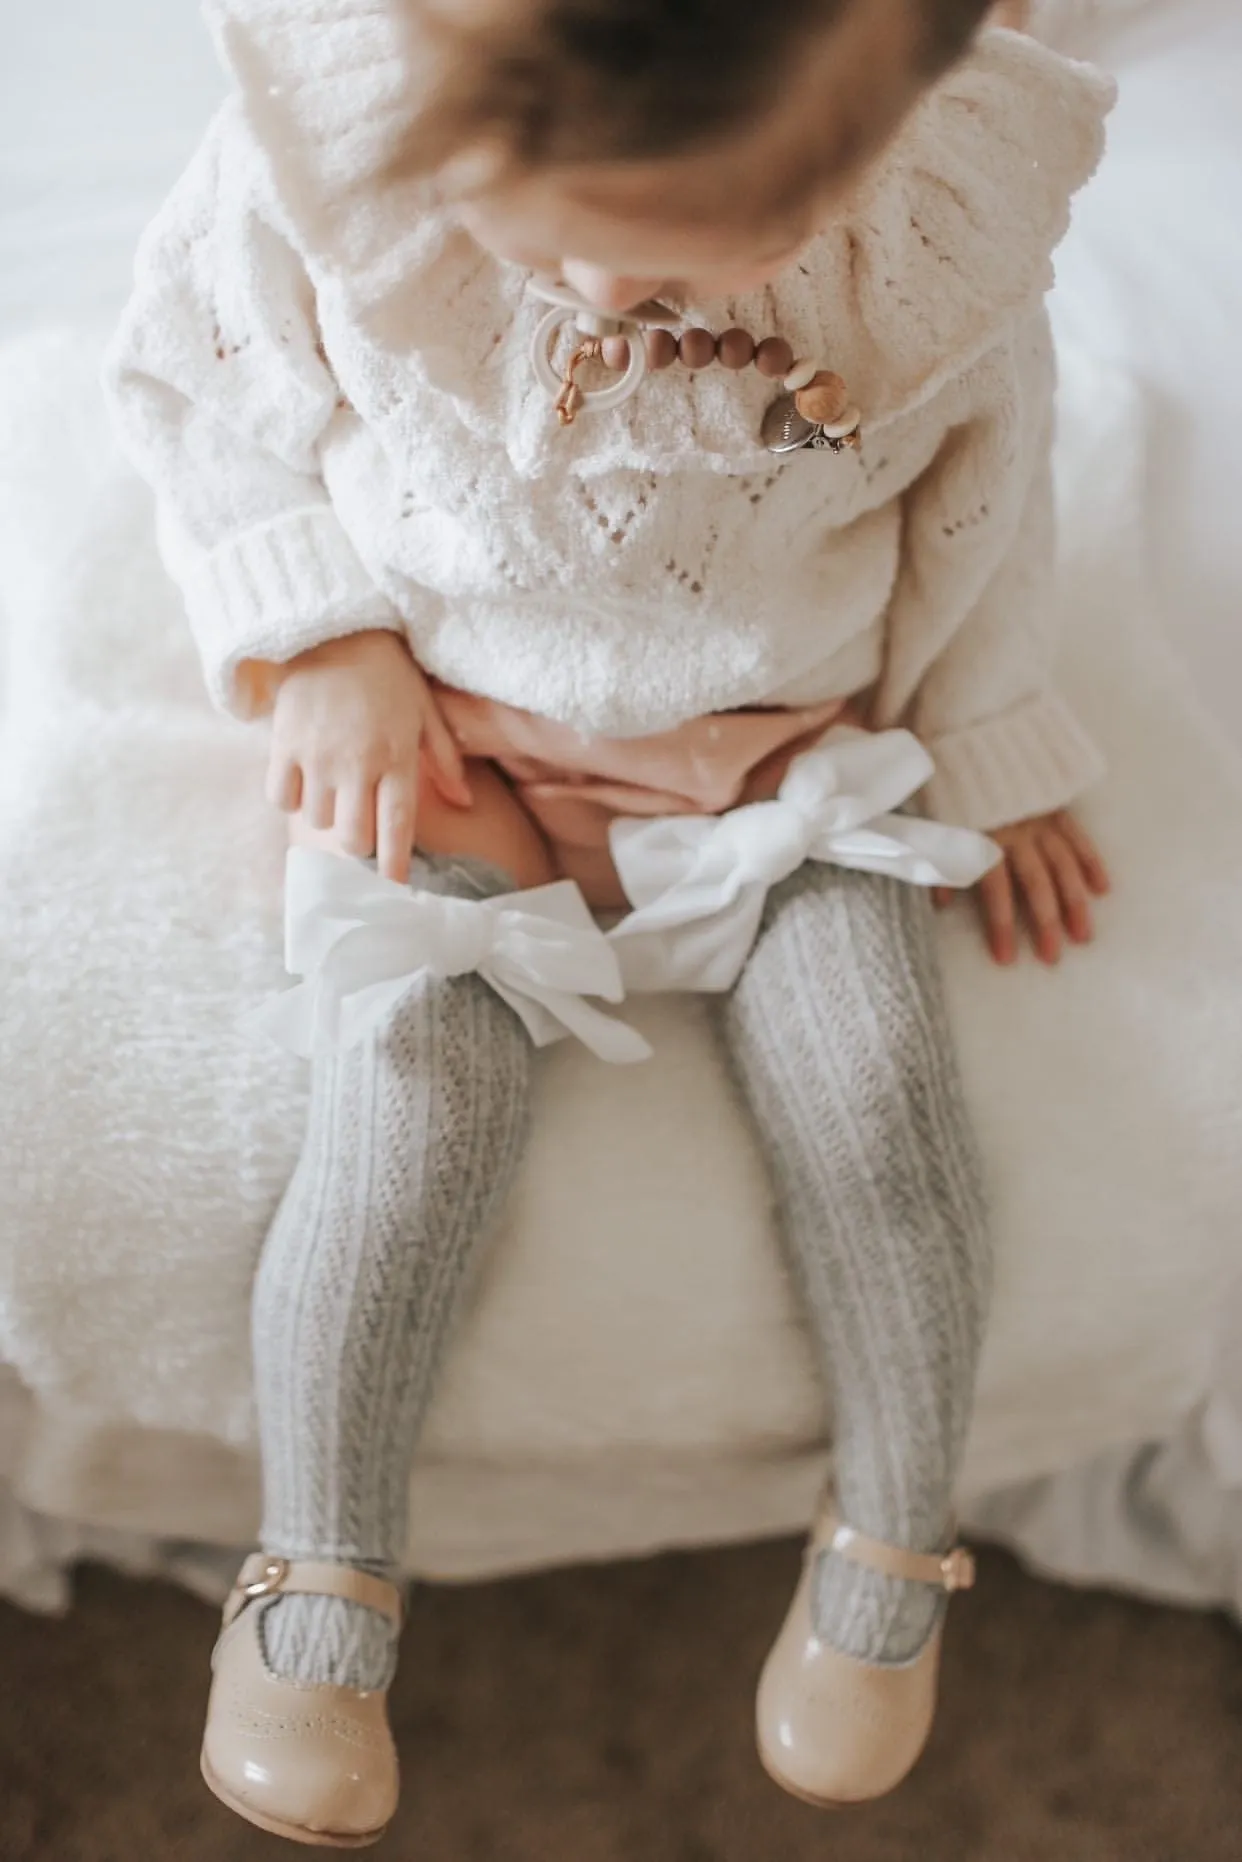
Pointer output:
697, 349
847, 422
774, 358
801, 374
661, 349
736, 349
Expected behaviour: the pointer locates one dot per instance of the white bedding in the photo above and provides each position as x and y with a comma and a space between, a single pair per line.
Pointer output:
1151, 276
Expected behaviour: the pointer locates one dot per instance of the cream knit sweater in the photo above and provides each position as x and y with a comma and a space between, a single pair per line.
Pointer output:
329, 388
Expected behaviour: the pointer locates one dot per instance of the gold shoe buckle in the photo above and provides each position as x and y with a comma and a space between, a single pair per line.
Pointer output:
957, 1569
275, 1571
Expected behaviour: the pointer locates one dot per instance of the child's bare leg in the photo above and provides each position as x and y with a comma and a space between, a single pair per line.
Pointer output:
497, 829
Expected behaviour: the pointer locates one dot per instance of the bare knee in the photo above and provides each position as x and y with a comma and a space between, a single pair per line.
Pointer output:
496, 829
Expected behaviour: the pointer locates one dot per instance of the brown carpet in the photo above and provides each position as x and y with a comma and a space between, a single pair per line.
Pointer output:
604, 1716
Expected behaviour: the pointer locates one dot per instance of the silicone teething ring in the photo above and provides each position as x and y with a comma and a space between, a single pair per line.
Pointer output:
594, 400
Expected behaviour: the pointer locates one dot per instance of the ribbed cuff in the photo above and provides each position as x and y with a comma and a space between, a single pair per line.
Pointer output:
274, 592
1030, 761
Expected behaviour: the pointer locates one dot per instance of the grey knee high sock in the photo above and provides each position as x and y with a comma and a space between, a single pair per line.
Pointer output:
838, 1035
412, 1143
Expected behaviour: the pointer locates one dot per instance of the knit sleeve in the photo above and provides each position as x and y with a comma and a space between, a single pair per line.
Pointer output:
221, 396
972, 635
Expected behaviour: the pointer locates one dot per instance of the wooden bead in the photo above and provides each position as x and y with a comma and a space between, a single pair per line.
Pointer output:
697, 349
736, 349
774, 358
826, 379
661, 349
616, 352
801, 374
824, 400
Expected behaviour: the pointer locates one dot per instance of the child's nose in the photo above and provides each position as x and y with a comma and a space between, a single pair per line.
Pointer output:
606, 290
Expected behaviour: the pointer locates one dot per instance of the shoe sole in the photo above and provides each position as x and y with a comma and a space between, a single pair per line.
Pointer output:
796, 1790
293, 1832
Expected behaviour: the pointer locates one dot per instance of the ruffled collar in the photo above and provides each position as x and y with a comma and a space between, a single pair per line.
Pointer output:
946, 240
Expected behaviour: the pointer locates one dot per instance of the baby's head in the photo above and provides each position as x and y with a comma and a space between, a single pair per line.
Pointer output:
630, 145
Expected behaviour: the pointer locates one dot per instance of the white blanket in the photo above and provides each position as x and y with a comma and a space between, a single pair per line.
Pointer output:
635, 1320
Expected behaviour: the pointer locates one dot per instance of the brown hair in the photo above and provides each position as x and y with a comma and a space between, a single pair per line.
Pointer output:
557, 82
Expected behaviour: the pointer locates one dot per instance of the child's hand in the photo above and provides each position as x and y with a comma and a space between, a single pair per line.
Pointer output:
352, 723
1052, 867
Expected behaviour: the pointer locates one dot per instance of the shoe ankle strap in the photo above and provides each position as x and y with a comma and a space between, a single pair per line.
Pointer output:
264, 1575
951, 1571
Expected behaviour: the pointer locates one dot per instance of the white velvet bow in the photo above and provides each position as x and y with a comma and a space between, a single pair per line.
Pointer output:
358, 940
698, 882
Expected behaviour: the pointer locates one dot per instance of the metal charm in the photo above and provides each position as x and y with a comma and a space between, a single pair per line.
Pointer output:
785, 430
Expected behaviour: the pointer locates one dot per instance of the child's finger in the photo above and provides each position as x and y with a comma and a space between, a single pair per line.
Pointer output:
995, 895
1089, 857
1071, 885
941, 896
355, 818
1039, 900
396, 819
444, 755
284, 785
318, 802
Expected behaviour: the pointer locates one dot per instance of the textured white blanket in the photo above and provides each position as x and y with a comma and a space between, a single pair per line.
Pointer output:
635, 1316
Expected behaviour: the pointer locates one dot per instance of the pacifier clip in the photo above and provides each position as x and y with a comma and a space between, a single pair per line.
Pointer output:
814, 411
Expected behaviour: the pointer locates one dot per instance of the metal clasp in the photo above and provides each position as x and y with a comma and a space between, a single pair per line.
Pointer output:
275, 1571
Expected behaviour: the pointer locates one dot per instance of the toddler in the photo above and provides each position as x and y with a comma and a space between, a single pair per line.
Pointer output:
611, 441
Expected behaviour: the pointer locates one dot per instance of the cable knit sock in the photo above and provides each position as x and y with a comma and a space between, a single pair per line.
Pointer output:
413, 1140
838, 1035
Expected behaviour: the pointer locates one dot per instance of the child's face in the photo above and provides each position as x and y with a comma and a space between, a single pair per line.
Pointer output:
614, 259
704, 226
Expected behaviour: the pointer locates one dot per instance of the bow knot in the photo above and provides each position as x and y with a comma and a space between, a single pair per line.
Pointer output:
470, 936
358, 941
766, 844
698, 883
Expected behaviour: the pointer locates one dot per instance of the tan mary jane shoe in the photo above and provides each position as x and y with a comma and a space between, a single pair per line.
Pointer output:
834, 1730
316, 1764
